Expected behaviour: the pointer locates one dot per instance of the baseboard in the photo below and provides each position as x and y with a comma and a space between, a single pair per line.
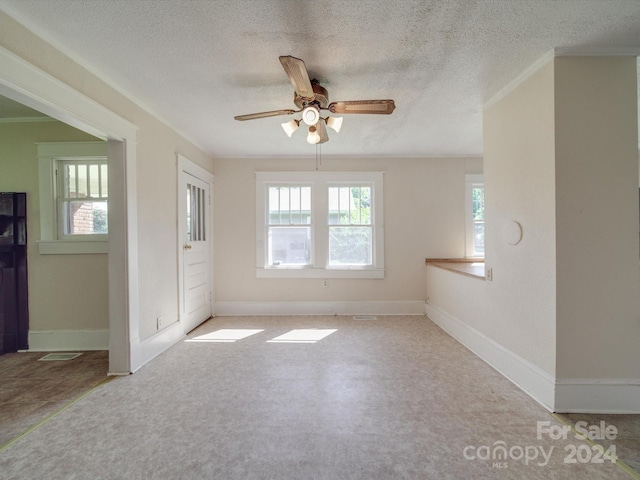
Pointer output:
536, 383
320, 308
156, 344
613, 396
68, 340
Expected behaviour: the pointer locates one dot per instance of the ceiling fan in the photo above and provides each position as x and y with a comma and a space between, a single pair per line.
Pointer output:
312, 99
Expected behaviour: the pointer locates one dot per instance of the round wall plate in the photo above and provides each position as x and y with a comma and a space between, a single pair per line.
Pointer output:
512, 232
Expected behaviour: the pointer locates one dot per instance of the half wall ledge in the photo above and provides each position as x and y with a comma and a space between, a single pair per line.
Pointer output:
471, 267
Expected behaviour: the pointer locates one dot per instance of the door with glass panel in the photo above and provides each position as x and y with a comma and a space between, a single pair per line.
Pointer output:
196, 244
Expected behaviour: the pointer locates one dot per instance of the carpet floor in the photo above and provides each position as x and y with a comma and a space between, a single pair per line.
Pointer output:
307, 398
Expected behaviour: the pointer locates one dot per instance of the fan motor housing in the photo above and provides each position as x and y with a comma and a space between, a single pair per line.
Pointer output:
320, 97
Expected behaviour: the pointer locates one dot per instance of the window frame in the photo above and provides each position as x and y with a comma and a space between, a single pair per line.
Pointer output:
50, 155
471, 181
269, 226
60, 164
330, 226
319, 258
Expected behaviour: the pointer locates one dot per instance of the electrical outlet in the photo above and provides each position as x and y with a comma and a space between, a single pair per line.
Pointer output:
325, 283
159, 322
488, 274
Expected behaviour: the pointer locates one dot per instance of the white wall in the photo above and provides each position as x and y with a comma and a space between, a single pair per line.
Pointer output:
424, 217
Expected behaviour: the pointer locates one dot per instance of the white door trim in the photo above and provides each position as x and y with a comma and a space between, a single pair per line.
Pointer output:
185, 165
27, 84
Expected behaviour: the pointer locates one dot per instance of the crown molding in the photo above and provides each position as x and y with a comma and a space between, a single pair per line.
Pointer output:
509, 87
560, 52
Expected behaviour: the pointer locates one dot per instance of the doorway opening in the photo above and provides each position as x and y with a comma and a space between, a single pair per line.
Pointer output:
34, 88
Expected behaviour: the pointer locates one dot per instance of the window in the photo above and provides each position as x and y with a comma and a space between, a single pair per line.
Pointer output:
82, 197
350, 228
197, 204
289, 225
74, 195
319, 225
474, 215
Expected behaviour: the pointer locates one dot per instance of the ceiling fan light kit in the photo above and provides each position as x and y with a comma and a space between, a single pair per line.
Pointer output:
334, 123
310, 115
290, 127
313, 136
311, 98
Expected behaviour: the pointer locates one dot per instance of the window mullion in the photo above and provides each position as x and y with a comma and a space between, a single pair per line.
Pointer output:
88, 186
320, 222
77, 182
290, 219
359, 207
99, 181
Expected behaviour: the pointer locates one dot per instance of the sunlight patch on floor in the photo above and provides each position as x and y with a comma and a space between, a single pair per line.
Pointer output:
225, 335
303, 335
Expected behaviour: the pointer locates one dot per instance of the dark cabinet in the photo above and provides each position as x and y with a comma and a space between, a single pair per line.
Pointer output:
14, 308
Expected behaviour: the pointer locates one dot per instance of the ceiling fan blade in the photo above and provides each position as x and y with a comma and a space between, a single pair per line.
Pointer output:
322, 131
298, 76
273, 113
380, 107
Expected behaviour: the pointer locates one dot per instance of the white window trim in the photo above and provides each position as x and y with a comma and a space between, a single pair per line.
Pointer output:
471, 181
319, 181
49, 243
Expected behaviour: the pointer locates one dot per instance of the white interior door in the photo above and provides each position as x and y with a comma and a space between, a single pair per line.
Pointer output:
196, 296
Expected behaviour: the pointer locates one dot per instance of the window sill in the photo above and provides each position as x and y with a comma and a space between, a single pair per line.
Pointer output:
319, 273
52, 247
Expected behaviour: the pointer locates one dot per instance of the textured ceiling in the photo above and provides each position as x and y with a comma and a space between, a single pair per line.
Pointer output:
197, 63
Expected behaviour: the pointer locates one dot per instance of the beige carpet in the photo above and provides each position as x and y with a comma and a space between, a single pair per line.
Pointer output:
392, 398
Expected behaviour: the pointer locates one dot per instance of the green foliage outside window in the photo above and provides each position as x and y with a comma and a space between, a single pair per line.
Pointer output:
350, 240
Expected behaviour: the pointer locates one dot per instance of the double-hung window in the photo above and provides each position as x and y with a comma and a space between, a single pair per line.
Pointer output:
82, 197
350, 226
319, 225
289, 225
474, 200
74, 197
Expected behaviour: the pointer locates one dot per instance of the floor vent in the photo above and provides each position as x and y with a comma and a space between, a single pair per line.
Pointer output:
53, 357
365, 317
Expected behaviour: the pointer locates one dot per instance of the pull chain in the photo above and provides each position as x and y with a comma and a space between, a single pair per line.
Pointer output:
318, 156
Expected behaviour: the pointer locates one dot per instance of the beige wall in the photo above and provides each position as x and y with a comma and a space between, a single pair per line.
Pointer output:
65, 291
519, 174
424, 217
598, 321
561, 158
157, 145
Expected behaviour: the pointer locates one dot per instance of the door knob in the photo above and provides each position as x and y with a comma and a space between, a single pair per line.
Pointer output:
187, 246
